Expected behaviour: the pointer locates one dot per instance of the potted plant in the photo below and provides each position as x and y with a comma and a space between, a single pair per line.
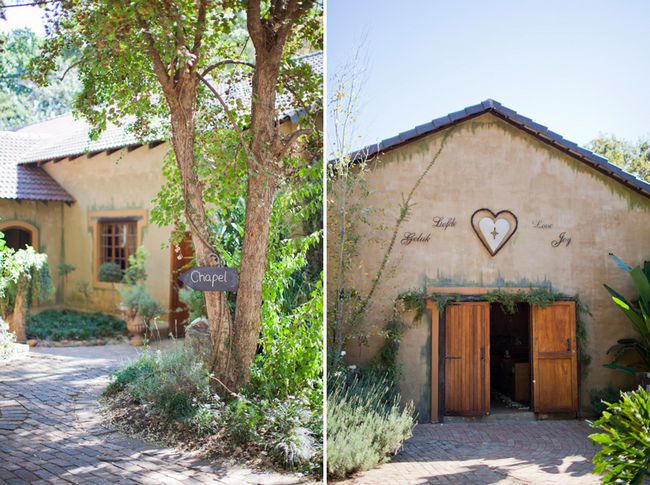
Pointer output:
139, 308
110, 273
638, 312
140, 312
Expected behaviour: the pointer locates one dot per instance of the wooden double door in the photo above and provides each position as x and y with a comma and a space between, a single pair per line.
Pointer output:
553, 358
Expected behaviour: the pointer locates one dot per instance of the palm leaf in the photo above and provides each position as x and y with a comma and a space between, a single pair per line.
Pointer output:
642, 283
621, 264
623, 368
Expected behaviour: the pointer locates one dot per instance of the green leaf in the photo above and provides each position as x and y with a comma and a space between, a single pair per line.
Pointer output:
623, 368
641, 282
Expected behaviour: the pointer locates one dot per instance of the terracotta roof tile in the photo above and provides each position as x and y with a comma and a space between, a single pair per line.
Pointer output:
22, 182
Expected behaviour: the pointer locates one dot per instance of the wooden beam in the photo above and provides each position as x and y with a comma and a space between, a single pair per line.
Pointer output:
92, 154
131, 148
154, 144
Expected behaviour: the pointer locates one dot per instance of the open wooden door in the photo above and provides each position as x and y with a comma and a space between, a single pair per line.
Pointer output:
467, 359
554, 357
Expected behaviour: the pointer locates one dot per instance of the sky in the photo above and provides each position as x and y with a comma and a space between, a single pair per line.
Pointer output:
18, 17
581, 68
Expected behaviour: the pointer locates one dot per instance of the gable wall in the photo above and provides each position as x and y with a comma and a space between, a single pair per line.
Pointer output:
121, 181
487, 163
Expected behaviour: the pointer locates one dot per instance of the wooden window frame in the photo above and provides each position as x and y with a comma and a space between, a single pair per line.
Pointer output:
95, 220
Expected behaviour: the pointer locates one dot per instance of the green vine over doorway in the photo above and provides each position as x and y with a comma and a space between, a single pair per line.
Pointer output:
416, 300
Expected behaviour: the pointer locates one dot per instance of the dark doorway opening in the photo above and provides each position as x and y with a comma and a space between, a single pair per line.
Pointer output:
17, 238
510, 359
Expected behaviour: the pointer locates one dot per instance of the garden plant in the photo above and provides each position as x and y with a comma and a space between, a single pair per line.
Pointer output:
638, 313
624, 456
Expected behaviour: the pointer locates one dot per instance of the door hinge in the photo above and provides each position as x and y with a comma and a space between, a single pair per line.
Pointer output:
446, 357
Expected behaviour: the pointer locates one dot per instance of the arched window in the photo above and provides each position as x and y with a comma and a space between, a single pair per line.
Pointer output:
18, 234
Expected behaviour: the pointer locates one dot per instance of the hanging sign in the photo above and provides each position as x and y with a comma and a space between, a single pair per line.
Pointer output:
210, 278
494, 230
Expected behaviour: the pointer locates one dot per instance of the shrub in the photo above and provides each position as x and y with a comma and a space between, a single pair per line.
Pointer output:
129, 373
291, 439
600, 397
74, 325
625, 453
110, 272
172, 383
362, 429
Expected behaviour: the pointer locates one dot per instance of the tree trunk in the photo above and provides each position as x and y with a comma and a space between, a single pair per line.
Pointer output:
218, 313
17, 320
259, 203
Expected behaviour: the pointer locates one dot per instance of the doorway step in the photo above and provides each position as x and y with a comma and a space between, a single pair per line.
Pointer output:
505, 415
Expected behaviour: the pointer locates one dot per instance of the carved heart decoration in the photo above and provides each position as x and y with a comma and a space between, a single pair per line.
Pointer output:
494, 230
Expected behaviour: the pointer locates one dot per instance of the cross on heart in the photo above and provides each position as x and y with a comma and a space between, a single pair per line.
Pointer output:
494, 230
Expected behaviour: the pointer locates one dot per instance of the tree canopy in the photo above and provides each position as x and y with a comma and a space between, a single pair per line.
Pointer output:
176, 70
631, 157
21, 100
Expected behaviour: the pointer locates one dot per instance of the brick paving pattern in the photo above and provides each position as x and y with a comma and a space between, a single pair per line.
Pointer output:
509, 452
51, 432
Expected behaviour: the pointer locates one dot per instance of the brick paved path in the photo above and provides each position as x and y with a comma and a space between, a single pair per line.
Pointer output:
50, 432
535, 452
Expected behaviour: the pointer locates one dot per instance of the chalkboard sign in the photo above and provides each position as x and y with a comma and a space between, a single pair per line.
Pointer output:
210, 278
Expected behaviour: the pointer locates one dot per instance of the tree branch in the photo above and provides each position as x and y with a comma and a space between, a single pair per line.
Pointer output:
240, 135
71, 67
254, 23
158, 66
292, 137
222, 63
200, 24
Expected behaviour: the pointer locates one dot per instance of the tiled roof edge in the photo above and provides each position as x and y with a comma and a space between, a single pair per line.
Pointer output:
540, 131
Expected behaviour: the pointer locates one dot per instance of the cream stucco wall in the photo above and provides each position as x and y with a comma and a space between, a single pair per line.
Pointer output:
487, 163
111, 183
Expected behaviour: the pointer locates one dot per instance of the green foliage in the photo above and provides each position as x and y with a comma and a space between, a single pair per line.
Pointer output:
65, 269
638, 314
600, 397
634, 158
362, 429
138, 369
23, 271
21, 100
443, 299
413, 300
135, 297
139, 301
83, 288
171, 382
174, 386
73, 325
625, 452
136, 273
541, 297
110, 272
194, 301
